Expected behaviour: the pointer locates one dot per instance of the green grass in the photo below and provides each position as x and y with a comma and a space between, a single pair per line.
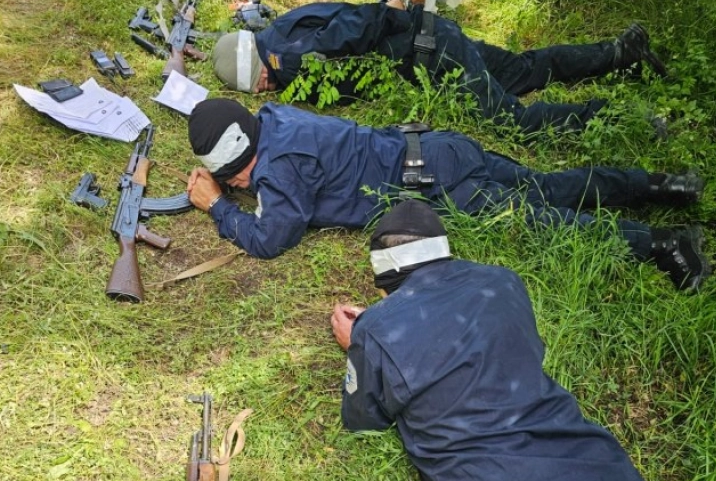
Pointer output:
95, 390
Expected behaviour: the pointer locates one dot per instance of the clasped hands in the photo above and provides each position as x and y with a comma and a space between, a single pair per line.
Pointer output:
202, 188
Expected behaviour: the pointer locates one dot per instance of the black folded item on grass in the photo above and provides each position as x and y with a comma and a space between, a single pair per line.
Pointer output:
60, 89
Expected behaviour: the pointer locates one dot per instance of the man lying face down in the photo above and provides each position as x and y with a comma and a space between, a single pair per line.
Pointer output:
311, 171
271, 59
452, 356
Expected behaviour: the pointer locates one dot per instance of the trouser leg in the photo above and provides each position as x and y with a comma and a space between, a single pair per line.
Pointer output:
534, 69
585, 188
561, 117
590, 187
636, 234
553, 199
503, 107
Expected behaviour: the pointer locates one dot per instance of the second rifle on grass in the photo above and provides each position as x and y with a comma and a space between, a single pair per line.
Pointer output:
178, 42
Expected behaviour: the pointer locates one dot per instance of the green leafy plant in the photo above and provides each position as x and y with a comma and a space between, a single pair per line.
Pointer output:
392, 99
370, 76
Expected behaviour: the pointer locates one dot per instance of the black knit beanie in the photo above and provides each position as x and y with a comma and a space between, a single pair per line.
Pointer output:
411, 217
223, 134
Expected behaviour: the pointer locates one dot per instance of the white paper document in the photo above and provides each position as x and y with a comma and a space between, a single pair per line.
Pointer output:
180, 93
97, 111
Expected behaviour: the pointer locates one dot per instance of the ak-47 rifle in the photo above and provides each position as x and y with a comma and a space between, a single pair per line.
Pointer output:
125, 283
181, 38
178, 42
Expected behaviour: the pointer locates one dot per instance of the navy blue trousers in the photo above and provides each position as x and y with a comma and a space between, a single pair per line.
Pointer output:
475, 179
519, 74
498, 77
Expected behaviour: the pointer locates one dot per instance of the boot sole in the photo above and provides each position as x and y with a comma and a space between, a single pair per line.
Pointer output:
697, 239
696, 185
648, 55
655, 63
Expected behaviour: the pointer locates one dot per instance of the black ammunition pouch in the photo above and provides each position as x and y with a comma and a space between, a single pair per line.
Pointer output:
413, 177
424, 44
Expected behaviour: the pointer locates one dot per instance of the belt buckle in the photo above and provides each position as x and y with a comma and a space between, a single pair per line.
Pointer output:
424, 43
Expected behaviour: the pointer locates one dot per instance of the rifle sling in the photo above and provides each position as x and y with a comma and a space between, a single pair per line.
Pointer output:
195, 271
162, 23
234, 436
424, 44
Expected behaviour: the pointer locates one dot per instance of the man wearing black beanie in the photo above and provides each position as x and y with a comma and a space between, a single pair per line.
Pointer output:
462, 379
321, 171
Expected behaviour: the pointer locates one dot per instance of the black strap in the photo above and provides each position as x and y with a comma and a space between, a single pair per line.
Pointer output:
413, 177
424, 44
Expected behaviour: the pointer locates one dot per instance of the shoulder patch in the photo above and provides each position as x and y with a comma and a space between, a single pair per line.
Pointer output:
259, 207
351, 378
275, 61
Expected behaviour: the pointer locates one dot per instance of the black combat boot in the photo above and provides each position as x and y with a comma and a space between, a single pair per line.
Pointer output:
632, 47
678, 253
678, 190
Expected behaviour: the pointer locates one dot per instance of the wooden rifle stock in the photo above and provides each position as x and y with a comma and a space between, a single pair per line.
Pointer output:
206, 471
175, 62
125, 283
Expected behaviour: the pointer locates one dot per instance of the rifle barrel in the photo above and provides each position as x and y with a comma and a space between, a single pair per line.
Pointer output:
206, 428
148, 141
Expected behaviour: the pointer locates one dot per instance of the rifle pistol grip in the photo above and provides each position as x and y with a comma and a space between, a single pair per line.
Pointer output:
143, 234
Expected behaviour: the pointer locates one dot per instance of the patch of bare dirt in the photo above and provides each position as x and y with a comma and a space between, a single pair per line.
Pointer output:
100, 408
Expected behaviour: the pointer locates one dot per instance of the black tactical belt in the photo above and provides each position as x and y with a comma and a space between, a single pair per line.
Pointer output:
413, 177
424, 44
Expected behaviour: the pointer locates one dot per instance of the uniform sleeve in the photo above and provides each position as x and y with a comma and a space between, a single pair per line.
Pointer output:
357, 31
374, 391
286, 204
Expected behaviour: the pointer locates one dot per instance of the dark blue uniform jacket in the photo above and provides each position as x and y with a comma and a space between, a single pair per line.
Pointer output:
453, 357
334, 30
310, 171
324, 171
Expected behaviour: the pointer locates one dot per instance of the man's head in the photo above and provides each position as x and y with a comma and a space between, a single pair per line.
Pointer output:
410, 236
224, 135
237, 63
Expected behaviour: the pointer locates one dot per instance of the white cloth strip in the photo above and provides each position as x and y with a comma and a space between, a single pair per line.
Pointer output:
232, 144
394, 258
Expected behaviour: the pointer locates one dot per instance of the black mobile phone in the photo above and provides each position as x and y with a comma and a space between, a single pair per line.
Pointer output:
53, 85
60, 89
66, 93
